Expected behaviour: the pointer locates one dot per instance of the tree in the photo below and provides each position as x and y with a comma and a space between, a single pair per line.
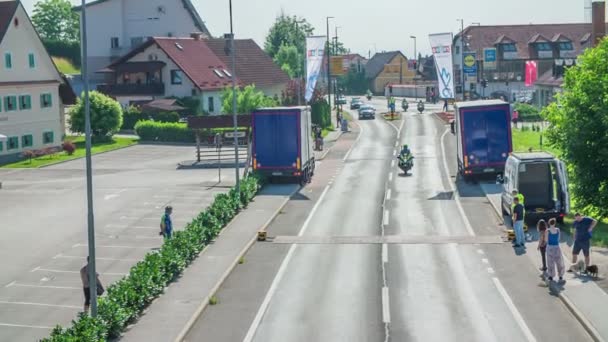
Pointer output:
106, 115
289, 60
354, 82
290, 31
579, 122
338, 48
247, 100
55, 20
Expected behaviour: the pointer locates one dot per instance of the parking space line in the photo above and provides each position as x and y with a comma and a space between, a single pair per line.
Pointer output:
15, 284
106, 246
73, 272
62, 256
41, 304
25, 326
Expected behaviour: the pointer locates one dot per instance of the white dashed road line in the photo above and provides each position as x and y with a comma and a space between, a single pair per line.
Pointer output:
386, 309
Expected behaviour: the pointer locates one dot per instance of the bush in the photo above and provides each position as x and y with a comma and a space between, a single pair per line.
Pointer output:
130, 117
165, 117
527, 112
65, 49
165, 132
321, 114
127, 298
68, 147
106, 115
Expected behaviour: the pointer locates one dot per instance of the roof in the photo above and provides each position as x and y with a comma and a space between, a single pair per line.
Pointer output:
7, 11
522, 35
198, 22
376, 64
533, 155
253, 65
162, 105
472, 104
198, 62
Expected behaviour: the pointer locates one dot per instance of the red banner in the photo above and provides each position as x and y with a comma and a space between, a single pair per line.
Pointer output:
531, 73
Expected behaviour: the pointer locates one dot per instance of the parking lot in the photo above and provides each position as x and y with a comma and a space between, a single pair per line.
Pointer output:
44, 231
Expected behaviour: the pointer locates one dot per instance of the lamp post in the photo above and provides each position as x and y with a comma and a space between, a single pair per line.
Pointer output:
415, 69
234, 119
335, 54
328, 63
87, 124
301, 73
462, 55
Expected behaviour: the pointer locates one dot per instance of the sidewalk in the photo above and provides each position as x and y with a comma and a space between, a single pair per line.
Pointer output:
170, 316
330, 139
586, 298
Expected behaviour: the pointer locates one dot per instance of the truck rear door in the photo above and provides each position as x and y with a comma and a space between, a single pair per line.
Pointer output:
487, 140
276, 140
563, 182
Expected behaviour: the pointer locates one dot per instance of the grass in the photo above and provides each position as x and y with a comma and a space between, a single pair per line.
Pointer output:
524, 140
213, 300
600, 232
65, 66
98, 147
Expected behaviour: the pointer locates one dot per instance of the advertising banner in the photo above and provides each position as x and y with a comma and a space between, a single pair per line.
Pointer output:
315, 49
337, 65
441, 44
531, 73
470, 63
489, 58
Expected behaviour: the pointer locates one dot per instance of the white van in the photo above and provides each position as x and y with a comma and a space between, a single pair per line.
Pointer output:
542, 179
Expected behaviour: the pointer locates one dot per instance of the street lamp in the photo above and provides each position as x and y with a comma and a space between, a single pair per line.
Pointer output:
462, 55
234, 119
415, 69
328, 63
301, 73
87, 124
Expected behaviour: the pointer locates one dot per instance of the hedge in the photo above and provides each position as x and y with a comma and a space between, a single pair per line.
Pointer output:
164, 132
132, 115
59, 48
527, 112
127, 298
321, 114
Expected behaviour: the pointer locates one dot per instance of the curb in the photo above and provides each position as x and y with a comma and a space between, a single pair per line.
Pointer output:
329, 149
580, 317
224, 276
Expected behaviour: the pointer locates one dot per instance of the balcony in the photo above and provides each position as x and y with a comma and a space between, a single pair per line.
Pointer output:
156, 89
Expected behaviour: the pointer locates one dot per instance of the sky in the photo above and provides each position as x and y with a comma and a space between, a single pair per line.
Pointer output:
369, 26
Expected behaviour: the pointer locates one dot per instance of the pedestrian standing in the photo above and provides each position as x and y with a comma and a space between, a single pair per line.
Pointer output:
166, 225
518, 223
542, 243
515, 117
338, 118
583, 230
84, 276
554, 252
445, 105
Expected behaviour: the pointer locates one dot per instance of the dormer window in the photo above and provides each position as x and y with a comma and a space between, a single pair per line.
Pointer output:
510, 47
543, 47
565, 46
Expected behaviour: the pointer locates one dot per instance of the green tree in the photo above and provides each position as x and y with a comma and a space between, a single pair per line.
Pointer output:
579, 122
247, 99
289, 60
354, 82
55, 20
290, 31
106, 115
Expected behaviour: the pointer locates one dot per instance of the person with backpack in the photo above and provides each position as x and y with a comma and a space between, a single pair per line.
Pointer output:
166, 226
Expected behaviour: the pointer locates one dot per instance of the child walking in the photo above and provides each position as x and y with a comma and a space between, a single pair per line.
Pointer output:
554, 252
542, 243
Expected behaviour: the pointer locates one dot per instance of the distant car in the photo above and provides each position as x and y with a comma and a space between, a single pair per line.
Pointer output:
367, 112
356, 103
341, 100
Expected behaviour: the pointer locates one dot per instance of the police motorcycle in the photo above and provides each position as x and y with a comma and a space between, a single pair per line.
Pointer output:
404, 105
405, 159
420, 107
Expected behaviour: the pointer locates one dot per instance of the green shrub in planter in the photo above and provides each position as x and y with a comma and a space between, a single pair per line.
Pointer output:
164, 132
527, 112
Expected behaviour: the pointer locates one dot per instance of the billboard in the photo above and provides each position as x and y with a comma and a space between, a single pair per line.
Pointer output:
315, 49
441, 44
489, 58
470, 63
337, 65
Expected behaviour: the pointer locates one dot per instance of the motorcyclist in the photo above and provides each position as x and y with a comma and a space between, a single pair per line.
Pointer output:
405, 155
404, 104
420, 106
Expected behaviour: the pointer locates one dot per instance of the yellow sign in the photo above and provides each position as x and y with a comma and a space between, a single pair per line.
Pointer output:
336, 65
469, 61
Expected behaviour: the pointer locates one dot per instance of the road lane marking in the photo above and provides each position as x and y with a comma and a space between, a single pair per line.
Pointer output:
393, 163
390, 177
62, 256
464, 217
384, 253
15, 284
518, 318
11, 283
25, 326
106, 246
386, 218
279, 276
484, 260
355, 143
114, 195
480, 251
388, 195
386, 310
41, 304
490, 270
73, 272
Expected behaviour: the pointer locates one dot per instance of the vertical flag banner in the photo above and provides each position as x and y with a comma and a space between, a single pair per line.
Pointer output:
441, 44
531, 73
315, 49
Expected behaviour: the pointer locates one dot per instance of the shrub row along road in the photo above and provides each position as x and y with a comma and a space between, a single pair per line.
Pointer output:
443, 275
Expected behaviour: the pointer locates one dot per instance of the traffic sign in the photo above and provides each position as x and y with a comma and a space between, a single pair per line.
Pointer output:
240, 134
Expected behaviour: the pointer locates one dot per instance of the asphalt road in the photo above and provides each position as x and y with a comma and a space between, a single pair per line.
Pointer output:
448, 283
44, 235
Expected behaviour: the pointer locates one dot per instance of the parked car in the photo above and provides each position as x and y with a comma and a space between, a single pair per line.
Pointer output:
367, 112
356, 103
342, 100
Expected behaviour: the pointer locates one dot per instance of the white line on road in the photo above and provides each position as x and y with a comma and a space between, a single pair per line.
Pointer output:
386, 218
484, 260
390, 177
388, 195
393, 164
111, 196
11, 283
520, 321
480, 251
490, 270
39, 269
61, 256
279, 276
384, 253
25, 326
355, 143
386, 309
42, 304
15, 284
105, 246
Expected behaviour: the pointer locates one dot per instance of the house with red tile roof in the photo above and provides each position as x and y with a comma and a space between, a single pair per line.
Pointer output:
189, 67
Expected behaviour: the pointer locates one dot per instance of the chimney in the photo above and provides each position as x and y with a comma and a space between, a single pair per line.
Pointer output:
598, 25
196, 35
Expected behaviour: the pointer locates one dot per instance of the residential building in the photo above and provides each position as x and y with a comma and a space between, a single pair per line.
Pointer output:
32, 91
388, 68
501, 53
354, 60
115, 27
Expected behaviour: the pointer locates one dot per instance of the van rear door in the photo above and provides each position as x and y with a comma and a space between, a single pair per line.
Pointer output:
563, 182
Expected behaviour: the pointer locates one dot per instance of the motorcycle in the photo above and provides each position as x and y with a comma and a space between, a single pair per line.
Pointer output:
369, 97
420, 107
405, 106
405, 165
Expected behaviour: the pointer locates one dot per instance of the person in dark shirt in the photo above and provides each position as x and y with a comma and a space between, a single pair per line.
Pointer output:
518, 223
583, 229
166, 225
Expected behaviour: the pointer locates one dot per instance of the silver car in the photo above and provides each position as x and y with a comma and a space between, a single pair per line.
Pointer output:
367, 112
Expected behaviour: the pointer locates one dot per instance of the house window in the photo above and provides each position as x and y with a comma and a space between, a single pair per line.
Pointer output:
48, 137
25, 102
27, 140
10, 103
565, 46
12, 143
1, 146
211, 104
176, 77
136, 41
543, 47
46, 101
114, 42
31, 60
509, 48
8, 61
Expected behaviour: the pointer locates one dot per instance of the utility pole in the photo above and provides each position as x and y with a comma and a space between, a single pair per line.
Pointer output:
234, 104
328, 64
89, 172
299, 90
415, 69
462, 55
335, 54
